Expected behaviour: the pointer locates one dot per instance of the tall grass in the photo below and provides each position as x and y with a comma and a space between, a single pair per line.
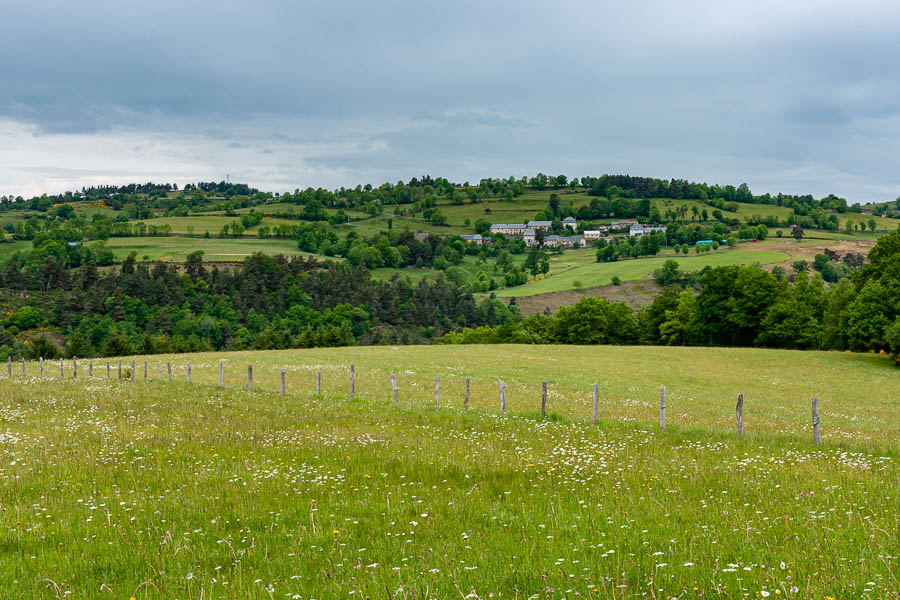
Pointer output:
144, 489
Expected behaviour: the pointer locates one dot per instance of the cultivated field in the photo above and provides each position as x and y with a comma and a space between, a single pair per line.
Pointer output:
151, 489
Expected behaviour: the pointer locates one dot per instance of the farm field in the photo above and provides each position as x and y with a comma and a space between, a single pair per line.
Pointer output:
173, 490
592, 274
176, 249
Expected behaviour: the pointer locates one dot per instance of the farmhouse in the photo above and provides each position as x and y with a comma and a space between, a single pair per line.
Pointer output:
508, 229
592, 234
475, 239
638, 230
570, 222
540, 225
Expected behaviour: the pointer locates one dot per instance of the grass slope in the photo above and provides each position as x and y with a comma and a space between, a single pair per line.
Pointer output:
592, 274
171, 490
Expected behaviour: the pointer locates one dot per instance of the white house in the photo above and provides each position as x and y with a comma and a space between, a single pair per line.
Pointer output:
530, 237
637, 230
570, 222
592, 234
475, 239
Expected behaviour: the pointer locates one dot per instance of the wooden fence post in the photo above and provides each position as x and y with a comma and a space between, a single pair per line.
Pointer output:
158, 371
133, 372
107, 370
90, 368
596, 401
815, 410
437, 391
120, 369
662, 407
249, 378
318, 382
9, 366
282, 382
23, 367
74, 367
145, 370
740, 414
42, 367
352, 381
169, 368
189, 372
61, 369
394, 387
502, 397
221, 374
466, 403
544, 398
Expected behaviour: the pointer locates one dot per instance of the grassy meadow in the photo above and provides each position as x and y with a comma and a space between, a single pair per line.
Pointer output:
582, 266
152, 489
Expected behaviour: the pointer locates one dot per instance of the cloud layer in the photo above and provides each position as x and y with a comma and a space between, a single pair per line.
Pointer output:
799, 98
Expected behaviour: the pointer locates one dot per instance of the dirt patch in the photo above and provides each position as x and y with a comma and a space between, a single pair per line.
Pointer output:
808, 249
637, 294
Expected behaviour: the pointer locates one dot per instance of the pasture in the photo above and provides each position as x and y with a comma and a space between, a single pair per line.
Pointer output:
151, 489
580, 265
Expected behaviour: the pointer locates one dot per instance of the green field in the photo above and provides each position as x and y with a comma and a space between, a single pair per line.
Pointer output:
176, 249
582, 266
152, 489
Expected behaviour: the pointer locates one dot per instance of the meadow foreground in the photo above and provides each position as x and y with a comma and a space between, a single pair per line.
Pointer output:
148, 489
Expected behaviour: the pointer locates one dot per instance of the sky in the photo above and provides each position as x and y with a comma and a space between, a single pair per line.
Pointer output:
793, 97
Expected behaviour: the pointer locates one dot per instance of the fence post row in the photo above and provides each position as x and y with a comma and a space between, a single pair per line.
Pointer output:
815, 414
394, 387
662, 407
739, 408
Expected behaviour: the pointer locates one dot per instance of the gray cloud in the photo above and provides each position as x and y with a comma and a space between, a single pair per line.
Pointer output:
794, 97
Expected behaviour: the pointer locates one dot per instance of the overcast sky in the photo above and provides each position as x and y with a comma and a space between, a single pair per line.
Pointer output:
799, 97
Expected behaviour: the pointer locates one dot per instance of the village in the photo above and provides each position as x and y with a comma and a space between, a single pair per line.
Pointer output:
536, 233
